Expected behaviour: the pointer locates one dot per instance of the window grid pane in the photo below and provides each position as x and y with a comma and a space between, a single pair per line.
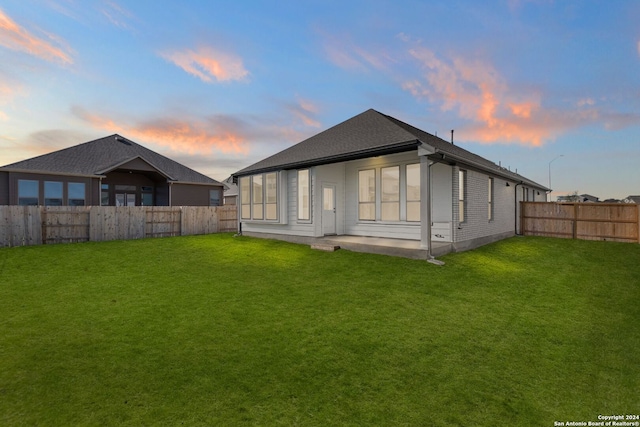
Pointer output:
461, 195
367, 195
53, 193
303, 195
413, 192
245, 197
76, 191
390, 207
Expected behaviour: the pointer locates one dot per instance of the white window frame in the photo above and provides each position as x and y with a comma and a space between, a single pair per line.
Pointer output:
390, 194
304, 195
409, 200
490, 197
462, 190
367, 203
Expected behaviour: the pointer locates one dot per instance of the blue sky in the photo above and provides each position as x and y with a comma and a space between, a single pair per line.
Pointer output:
219, 85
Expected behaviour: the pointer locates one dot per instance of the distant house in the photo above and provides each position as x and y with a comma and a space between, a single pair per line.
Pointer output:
632, 199
588, 198
376, 176
111, 171
230, 192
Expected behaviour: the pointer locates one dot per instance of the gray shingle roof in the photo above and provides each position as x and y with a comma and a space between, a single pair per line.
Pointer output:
370, 133
102, 155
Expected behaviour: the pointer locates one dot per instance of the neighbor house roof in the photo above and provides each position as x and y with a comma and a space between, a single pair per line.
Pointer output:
370, 134
101, 156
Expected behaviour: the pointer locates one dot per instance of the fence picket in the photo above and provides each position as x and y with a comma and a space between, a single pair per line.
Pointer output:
34, 225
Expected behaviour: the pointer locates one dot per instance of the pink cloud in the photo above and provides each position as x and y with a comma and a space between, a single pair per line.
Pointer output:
305, 111
477, 92
208, 64
179, 134
116, 14
15, 37
344, 53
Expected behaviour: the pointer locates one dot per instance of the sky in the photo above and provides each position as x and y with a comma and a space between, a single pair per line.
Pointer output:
548, 88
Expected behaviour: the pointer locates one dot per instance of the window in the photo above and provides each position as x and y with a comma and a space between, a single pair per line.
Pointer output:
214, 197
462, 184
256, 193
304, 195
53, 193
76, 191
490, 199
390, 203
28, 192
259, 197
104, 194
367, 195
413, 192
245, 197
147, 196
271, 196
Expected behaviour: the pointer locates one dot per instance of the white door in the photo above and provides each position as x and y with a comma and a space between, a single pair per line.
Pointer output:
328, 209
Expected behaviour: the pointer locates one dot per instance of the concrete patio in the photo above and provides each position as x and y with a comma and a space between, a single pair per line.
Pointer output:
373, 245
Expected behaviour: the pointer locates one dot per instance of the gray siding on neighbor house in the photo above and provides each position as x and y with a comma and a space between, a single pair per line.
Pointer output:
191, 194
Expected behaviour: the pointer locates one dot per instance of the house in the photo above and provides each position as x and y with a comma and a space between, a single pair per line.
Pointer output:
588, 198
632, 199
230, 192
376, 176
110, 171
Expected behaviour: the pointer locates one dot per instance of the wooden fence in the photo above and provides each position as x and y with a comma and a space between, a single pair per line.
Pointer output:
36, 225
618, 222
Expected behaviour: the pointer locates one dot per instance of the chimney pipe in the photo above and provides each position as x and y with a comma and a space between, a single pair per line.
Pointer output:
451, 136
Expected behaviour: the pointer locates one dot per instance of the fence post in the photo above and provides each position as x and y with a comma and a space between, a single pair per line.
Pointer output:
575, 220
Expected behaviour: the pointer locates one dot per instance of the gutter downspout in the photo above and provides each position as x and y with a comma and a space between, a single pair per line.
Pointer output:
425, 191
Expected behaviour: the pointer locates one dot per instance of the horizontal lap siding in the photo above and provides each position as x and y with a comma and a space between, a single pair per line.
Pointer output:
477, 224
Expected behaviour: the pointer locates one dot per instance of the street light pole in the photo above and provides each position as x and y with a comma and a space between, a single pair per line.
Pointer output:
550, 190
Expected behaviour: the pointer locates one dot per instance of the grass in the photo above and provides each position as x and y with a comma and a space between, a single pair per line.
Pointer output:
216, 330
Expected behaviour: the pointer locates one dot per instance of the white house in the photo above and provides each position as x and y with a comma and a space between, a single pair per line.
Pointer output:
376, 176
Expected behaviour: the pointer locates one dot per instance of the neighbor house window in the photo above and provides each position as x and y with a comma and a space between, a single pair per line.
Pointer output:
104, 194
76, 192
271, 196
214, 197
28, 194
245, 197
490, 199
413, 192
390, 200
367, 195
256, 194
147, 196
53, 193
462, 184
304, 195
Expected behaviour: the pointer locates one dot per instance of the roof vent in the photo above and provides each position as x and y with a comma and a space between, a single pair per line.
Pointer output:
122, 140
452, 136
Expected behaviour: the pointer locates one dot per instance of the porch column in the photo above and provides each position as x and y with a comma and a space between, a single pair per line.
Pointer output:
425, 195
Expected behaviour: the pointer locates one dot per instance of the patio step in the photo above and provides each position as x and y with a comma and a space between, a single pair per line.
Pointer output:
325, 247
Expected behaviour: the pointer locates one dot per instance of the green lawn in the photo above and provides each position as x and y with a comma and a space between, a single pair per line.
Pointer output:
215, 330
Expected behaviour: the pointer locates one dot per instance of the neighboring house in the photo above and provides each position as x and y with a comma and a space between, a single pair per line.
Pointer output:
110, 171
376, 176
230, 192
588, 198
632, 199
